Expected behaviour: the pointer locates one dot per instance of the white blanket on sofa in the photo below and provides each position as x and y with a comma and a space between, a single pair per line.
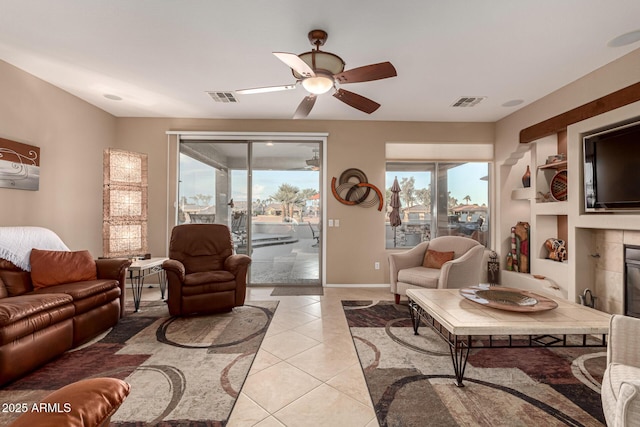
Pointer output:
16, 243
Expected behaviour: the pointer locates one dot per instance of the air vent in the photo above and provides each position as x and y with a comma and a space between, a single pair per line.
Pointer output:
468, 101
223, 96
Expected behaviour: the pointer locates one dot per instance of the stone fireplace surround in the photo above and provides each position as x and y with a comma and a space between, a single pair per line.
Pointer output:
609, 267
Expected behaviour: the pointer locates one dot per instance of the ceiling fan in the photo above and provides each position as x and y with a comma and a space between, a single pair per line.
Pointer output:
314, 161
318, 72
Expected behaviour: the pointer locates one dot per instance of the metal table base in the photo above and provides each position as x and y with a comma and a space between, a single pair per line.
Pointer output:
460, 346
144, 268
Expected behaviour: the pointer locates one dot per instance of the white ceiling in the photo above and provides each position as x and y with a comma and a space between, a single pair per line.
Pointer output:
161, 56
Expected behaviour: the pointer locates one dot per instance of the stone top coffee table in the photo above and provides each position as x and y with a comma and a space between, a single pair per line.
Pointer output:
461, 322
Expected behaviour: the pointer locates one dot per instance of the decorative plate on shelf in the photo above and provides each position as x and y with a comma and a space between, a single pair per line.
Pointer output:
559, 186
510, 299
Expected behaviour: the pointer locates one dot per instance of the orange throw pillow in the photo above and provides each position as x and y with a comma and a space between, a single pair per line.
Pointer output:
50, 268
435, 259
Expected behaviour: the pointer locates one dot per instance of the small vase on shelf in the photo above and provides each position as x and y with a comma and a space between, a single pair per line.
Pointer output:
526, 178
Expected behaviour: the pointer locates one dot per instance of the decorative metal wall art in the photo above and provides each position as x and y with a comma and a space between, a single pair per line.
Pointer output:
19, 165
354, 190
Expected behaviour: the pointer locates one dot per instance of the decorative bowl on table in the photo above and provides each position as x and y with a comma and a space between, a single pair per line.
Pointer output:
510, 299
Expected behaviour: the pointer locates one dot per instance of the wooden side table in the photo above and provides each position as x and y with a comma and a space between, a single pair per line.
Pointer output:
142, 268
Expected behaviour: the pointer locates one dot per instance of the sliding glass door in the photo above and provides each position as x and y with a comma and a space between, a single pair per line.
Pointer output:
268, 193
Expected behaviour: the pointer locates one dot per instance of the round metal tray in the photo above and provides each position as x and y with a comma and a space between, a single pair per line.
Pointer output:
510, 299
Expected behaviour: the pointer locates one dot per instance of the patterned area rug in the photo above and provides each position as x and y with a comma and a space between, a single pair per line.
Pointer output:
183, 371
411, 382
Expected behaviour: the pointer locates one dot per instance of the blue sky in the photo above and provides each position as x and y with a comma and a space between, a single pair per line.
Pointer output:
198, 178
463, 181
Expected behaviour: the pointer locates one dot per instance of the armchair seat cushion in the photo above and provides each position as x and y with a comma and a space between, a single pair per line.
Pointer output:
208, 288
420, 276
215, 276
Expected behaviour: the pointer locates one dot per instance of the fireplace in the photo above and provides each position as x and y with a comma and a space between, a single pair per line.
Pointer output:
632, 281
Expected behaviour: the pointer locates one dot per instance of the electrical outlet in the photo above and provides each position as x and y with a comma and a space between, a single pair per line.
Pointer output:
330, 223
376, 265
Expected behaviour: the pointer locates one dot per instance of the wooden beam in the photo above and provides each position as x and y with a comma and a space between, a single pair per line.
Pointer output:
560, 122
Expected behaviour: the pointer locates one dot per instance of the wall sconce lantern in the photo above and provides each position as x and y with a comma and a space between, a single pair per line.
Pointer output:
124, 226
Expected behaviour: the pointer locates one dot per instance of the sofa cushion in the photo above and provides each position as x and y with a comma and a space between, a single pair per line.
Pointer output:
56, 267
26, 314
86, 295
80, 290
435, 259
13, 309
420, 276
8, 265
17, 282
3, 290
86, 403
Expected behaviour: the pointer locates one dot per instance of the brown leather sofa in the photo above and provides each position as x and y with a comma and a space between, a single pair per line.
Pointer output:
39, 324
203, 272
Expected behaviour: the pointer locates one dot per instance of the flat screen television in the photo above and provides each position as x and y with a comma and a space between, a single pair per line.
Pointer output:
612, 169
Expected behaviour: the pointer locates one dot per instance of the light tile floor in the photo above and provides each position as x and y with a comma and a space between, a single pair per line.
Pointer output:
306, 372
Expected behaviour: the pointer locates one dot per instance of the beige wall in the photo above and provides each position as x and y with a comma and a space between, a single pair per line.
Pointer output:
352, 248
614, 76
71, 135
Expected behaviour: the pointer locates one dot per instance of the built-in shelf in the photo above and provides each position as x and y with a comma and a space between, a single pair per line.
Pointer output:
522, 194
555, 165
550, 263
551, 208
529, 282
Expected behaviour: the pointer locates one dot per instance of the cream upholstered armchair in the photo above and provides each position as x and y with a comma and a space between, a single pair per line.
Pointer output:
621, 381
444, 262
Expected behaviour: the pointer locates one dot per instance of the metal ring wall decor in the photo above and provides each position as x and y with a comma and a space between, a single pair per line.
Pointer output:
357, 193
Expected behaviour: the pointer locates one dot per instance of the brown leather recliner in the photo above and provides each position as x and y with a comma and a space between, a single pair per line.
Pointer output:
203, 272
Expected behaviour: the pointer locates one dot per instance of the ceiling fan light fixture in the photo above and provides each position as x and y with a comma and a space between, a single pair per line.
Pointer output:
318, 85
320, 60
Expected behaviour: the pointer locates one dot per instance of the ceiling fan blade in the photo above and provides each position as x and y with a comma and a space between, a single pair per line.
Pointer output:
297, 64
265, 89
357, 101
367, 73
305, 107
